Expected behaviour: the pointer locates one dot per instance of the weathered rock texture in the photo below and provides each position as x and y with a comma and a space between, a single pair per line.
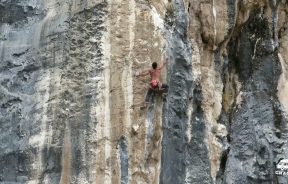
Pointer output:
70, 104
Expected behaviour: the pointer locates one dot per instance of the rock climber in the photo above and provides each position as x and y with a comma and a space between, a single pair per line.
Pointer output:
155, 84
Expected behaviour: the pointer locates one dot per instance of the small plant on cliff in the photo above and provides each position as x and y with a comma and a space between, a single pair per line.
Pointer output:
214, 129
169, 13
149, 2
169, 8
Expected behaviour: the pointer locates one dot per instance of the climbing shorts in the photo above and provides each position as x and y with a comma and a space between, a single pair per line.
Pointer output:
154, 84
151, 91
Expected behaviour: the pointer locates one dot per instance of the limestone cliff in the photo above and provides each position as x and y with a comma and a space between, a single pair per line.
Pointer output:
70, 102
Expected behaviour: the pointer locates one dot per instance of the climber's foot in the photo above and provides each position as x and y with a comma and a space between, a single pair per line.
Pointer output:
132, 106
142, 108
164, 96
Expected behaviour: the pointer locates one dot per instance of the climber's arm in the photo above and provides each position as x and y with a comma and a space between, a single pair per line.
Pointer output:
164, 64
143, 73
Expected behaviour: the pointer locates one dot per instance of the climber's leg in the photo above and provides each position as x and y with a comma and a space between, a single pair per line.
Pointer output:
148, 96
164, 88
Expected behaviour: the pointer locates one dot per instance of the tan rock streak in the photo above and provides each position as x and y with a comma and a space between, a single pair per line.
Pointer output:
66, 159
103, 167
119, 49
145, 149
283, 57
123, 58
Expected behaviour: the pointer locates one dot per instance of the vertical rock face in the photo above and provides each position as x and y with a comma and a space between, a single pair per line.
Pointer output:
70, 104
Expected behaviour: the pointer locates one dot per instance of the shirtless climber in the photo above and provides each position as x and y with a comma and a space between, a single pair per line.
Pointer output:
155, 84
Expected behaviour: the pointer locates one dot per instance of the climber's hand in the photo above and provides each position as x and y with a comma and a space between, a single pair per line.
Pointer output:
136, 74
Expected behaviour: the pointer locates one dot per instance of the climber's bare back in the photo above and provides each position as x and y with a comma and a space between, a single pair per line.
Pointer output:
155, 74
